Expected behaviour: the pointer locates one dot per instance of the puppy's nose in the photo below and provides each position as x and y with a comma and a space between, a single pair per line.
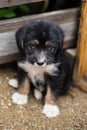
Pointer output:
40, 62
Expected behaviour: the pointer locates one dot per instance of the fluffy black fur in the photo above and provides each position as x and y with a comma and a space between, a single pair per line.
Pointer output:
45, 31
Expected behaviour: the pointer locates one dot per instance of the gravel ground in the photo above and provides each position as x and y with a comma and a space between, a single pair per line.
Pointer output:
73, 109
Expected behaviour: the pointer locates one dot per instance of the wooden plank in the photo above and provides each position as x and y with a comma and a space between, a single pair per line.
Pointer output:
85, 77
81, 62
80, 69
72, 52
10, 58
63, 16
82, 84
8, 3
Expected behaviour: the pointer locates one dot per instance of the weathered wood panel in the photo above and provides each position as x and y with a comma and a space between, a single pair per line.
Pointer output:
81, 63
80, 71
8, 3
58, 17
9, 58
8, 48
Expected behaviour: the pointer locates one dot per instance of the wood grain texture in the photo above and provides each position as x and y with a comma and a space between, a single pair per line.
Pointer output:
81, 63
58, 17
8, 3
8, 47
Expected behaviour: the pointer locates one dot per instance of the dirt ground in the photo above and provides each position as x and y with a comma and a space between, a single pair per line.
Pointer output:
73, 109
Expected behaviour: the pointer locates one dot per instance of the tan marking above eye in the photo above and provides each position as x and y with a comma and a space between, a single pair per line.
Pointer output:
36, 42
46, 43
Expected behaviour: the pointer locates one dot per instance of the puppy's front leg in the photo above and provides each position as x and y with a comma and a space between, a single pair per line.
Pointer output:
50, 108
24, 65
21, 96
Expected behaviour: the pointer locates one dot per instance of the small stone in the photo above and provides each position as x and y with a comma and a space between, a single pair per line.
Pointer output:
9, 104
0, 82
55, 129
7, 78
72, 110
85, 114
77, 104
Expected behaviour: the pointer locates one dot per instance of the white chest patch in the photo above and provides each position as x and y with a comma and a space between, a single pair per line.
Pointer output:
37, 72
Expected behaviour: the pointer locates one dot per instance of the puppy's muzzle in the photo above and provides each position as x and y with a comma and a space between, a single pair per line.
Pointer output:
41, 59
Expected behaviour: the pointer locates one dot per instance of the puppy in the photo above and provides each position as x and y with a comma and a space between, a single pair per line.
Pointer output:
43, 64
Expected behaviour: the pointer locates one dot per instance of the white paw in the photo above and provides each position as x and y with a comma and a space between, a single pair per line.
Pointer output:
51, 110
13, 83
38, 95
19, 98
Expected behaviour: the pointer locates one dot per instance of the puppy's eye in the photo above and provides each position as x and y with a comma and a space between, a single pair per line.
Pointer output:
32, 46
51, 48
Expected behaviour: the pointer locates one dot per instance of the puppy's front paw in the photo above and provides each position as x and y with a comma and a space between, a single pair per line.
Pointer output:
24, 65
19, 98
51, 110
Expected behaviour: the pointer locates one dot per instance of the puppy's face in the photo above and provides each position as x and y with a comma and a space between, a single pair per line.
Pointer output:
40, 42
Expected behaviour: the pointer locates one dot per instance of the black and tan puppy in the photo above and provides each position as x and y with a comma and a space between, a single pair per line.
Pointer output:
44, 65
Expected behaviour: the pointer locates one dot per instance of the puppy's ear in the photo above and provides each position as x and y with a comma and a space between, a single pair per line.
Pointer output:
60, 45
60, 38
20, 35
